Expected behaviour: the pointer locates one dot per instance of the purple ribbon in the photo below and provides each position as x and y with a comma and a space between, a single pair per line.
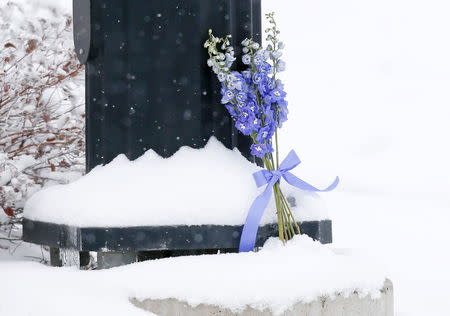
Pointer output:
268, 177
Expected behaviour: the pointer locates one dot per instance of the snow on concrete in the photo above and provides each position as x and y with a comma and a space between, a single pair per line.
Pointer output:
212, 185
276, 277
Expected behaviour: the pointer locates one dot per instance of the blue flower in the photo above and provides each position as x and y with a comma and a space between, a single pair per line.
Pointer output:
241, 97
281, 112
258, 59
265, 133
231, 109
239, 81
264, 67
245, 116
260, 150
244, 127
227, 95
247, 75
256, 102
281, 66
252, 105
277, 94
257, 77
264, 87
255, 123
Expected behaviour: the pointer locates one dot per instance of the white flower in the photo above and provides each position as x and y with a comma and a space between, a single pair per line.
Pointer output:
246, 59
277, 54
221, 76
245, 42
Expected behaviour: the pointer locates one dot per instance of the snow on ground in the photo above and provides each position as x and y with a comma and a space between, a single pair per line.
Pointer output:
303, 269
404, 233
409, 233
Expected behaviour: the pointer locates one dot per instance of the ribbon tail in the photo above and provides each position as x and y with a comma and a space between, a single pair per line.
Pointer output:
250, 230
299, 183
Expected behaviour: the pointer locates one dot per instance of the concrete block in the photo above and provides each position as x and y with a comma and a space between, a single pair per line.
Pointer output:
106, 260
339, 305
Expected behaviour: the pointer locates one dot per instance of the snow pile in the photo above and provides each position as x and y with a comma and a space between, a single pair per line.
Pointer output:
277, 277
212, 185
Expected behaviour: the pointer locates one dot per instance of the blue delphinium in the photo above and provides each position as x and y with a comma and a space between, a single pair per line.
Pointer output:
256, 101
254, 97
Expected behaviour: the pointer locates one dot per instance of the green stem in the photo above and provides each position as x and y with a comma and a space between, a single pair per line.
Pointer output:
288, 208
278, 205
286, 213
276, 148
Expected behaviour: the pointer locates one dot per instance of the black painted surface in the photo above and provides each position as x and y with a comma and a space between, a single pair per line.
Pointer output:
156, 237
147, 82
82, 28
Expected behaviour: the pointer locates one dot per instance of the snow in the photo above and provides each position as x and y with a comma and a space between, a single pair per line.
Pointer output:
368, 85
40, 6
304, 269
212, 185
368, 90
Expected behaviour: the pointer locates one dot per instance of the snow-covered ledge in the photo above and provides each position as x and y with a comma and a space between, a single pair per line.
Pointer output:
197, 199
208, 186
302, 278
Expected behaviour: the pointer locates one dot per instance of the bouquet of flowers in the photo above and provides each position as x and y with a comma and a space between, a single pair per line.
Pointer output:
255, 99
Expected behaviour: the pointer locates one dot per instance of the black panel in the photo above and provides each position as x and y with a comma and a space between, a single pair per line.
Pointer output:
146, 238
148, 85
49, 234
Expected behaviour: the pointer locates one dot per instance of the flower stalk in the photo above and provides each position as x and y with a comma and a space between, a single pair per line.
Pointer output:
255, 99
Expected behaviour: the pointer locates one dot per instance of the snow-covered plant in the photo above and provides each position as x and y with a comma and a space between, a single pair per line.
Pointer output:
41, 102
255, 99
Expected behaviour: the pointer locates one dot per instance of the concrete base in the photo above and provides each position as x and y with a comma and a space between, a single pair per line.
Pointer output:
352, 305
106, 260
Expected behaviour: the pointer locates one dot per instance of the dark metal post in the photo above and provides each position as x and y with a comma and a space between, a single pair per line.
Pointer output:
147, 83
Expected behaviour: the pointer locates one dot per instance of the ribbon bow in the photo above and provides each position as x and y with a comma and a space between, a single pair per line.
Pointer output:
270, 177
